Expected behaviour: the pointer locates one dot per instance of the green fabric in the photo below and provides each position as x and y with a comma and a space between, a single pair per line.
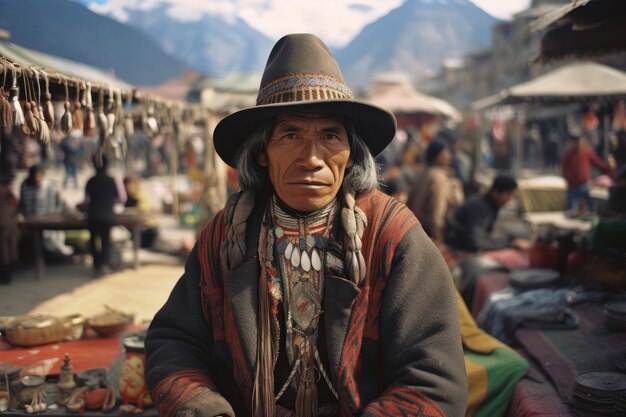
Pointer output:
504, 369
608, 236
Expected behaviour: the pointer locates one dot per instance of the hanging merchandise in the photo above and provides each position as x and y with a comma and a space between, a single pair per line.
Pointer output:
48, 108
116, 123
110, 112
18, 113
151, 122
43, 133
77, 113
89, 128
66, 118
5, 108
31, 124
103, 122
129, 124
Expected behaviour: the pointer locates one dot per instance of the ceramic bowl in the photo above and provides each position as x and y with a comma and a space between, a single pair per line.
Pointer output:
32, 380
110, 323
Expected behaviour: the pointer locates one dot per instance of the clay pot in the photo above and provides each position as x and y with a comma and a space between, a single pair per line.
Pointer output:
95, 398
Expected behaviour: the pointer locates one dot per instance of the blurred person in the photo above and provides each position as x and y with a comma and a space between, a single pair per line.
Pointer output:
41, 196
151, 237
619, 152
461, 162
576, 169
9, 228
101, 194
70, 145
436, 192
551, 150
11, 148
471, 228
312, 293
397, 188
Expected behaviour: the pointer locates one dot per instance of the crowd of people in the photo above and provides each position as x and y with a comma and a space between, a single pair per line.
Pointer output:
460, 215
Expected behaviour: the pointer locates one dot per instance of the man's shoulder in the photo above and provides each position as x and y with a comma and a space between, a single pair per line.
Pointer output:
374, 200
383, 210
475, 201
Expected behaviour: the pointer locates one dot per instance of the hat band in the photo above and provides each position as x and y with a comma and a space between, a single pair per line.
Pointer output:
303, 87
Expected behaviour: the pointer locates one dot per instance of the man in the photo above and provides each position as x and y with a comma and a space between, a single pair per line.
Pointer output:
576, 169
151, 237
40, 196
70, 145
471, 228
311, 293
436, 192
101, 194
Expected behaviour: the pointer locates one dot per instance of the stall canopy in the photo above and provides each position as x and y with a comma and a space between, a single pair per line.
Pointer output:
576, 81
582, 29
402, 98
29, 57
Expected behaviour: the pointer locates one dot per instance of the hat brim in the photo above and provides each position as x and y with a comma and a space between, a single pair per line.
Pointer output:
375, 125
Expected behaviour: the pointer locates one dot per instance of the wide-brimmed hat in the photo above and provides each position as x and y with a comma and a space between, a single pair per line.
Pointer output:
301, 76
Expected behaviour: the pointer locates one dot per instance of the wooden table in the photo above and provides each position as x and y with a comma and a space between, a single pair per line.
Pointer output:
557, 220
39, 223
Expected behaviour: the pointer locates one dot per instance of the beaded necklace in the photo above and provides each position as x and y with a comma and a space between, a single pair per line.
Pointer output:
297, 279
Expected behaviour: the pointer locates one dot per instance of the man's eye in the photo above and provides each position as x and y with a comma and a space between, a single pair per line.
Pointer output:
290, 135
331, 136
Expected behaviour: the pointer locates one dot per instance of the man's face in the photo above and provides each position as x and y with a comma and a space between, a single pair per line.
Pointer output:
38, 179
443, 159
503, 197
306, 158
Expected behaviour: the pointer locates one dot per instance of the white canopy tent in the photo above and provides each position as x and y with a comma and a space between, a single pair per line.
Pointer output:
402, 98
572, 82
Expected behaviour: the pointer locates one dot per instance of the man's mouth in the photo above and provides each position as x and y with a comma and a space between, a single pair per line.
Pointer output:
309, 184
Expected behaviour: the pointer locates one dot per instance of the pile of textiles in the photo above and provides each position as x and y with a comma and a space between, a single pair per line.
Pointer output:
545, 308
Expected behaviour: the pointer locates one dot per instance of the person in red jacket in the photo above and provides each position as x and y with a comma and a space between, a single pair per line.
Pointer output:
576, 169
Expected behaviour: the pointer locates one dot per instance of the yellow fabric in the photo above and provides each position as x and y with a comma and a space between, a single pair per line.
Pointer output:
477, 381
491, 378
473, 337
144, 207
541, 199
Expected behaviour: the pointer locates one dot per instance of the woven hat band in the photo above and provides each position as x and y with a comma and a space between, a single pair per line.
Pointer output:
303, 87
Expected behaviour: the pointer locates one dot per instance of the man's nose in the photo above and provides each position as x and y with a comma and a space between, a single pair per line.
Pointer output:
309, 156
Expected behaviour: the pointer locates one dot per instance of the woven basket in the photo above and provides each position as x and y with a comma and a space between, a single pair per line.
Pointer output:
26, 331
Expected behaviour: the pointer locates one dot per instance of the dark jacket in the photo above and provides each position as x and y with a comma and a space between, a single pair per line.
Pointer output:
471, 227
102, 194
393, 343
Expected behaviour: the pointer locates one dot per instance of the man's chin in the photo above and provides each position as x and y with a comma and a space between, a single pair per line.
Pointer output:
307, 204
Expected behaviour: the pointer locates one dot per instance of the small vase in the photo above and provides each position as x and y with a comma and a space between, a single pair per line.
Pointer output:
132, 383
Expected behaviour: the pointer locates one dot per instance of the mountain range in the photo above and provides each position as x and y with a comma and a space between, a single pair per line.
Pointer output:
70, 30
149, 44
415, 39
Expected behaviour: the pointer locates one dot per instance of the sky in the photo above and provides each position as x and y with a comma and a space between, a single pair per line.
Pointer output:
336, 21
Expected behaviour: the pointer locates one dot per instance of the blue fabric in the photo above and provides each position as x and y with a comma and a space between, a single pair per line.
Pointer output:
545, 308
576, 193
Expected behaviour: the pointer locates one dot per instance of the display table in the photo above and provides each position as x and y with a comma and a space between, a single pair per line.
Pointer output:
557, 220
89, 352
558, 356
563, 354
36, 224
